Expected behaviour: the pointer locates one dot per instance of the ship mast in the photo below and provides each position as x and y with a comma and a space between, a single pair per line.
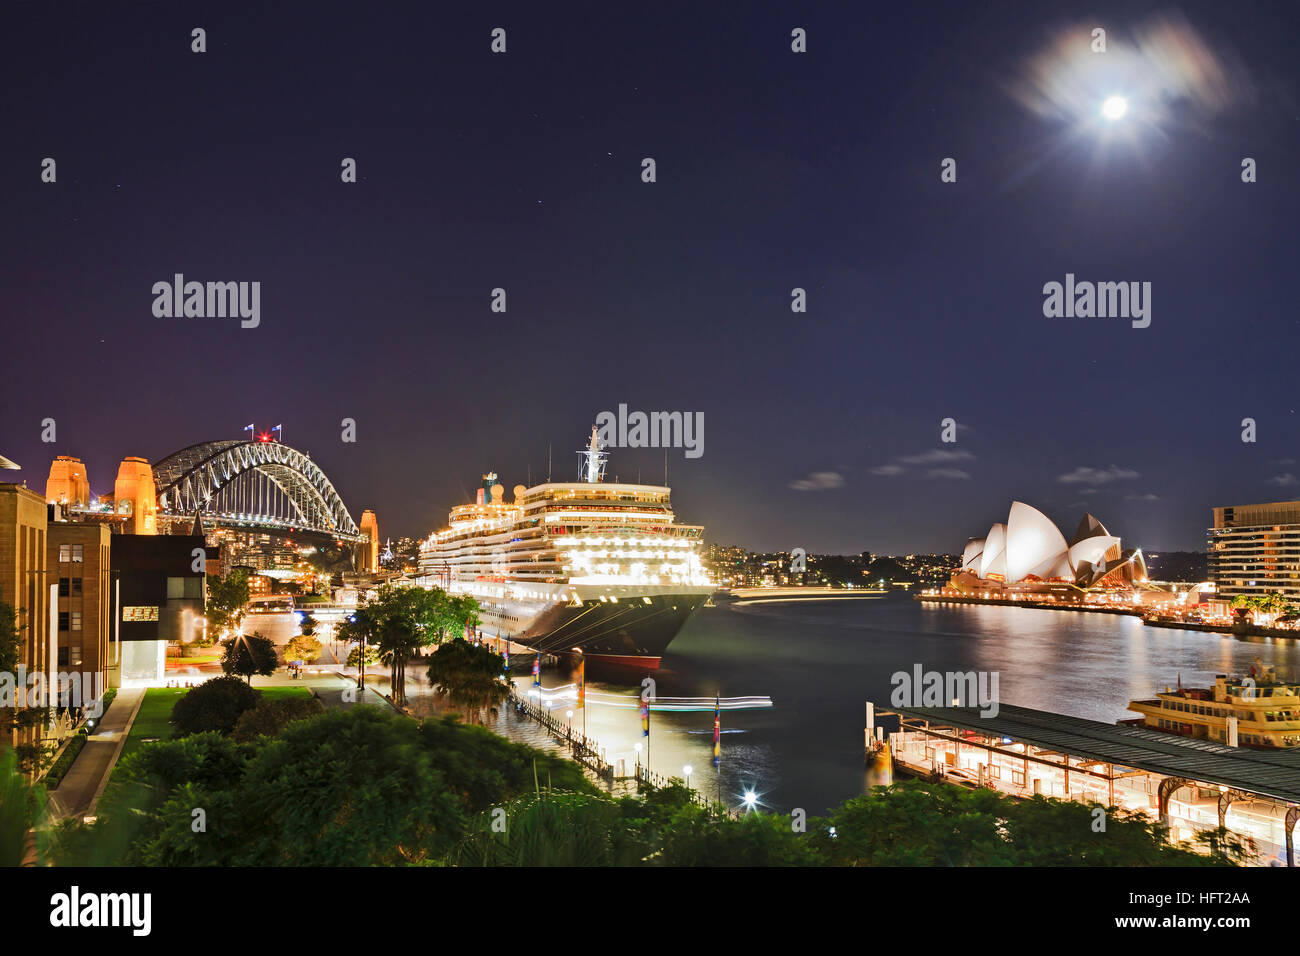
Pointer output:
593, 467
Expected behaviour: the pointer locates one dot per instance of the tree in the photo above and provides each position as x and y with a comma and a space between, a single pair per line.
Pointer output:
216, 704
304, 647
926, 824
10, 645
351, 787
400, 621
358, 654
10, 649
249, 654
472, 677
270, 717
21, 809
226, 599
362, 629
308, 625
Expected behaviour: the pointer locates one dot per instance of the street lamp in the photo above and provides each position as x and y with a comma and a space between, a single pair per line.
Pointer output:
687, 771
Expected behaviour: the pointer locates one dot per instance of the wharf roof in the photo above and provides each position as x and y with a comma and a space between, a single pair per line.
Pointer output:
1271, 773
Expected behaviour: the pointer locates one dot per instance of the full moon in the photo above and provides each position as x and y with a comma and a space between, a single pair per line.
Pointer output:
1114, 108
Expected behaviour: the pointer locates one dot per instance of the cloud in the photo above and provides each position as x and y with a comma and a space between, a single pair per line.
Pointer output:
1147, 497
819, 481
1096, 476
1284, 481
935, 457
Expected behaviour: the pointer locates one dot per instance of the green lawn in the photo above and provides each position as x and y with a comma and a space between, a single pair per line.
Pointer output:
152, 719
280, 693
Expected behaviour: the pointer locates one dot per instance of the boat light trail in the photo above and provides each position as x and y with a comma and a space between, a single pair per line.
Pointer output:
569, 692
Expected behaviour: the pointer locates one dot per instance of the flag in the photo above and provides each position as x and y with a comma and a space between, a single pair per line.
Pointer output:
645, 717
507, 657
582, 682
537, 671
717, 731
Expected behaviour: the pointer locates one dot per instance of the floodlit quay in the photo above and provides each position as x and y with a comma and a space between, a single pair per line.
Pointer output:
1187, 784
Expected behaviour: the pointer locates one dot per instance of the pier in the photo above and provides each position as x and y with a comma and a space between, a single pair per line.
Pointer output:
581, 747
1186, 784
588, 752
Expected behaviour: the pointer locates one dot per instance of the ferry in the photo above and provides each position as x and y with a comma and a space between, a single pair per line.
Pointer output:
1256, 710
590, 567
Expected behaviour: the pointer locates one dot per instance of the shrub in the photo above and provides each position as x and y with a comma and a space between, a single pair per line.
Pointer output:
271, 716
216, 704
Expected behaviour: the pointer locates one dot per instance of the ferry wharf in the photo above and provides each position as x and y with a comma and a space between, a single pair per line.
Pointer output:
1185, 783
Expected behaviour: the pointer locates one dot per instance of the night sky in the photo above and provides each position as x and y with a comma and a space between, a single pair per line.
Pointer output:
775, 170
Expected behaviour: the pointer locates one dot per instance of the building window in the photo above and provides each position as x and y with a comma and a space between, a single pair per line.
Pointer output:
63, 620
65, 553
64, 587
76, 620
76, 553
76, 587
1018, 777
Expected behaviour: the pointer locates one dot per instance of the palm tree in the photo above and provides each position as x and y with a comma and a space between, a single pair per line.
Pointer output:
472, 677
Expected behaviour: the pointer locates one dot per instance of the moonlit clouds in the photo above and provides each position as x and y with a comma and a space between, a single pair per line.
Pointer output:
1096, 476
941, 458
1162, 66
819, 481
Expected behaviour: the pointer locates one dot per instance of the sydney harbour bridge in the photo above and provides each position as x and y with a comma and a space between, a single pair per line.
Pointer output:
252, 485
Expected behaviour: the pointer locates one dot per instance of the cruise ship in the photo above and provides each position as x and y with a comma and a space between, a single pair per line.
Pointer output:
591, 566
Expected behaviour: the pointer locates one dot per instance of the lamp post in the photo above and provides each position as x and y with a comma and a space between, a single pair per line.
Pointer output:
687, 771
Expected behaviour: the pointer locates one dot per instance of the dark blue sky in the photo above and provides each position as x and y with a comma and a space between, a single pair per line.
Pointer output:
775, 170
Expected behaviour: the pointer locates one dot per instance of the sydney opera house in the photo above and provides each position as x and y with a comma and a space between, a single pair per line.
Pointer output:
1029, 555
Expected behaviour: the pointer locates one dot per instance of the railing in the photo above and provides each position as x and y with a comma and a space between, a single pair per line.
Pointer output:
582, 748
592, 756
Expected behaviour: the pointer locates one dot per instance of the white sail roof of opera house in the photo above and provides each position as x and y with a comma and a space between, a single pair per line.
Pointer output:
1030, 547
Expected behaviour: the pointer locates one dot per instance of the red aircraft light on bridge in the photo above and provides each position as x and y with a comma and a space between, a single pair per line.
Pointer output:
265, 436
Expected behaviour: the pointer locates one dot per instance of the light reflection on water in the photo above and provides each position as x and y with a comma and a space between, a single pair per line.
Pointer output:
820, 663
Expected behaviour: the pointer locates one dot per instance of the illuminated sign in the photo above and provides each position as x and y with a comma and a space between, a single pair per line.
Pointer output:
139, 614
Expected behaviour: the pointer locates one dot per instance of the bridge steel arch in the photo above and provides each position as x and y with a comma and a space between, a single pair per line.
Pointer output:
256, 484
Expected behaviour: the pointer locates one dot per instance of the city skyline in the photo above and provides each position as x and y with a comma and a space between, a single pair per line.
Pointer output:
775, 170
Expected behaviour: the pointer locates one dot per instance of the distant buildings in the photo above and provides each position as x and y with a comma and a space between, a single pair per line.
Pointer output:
1255, 549
734, 567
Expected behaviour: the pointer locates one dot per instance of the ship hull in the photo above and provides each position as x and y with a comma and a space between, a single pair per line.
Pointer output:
632, 632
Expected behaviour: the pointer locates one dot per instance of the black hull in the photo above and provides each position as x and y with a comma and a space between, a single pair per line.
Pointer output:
629, 633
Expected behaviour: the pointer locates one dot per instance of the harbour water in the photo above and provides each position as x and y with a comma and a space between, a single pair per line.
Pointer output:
820, 662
